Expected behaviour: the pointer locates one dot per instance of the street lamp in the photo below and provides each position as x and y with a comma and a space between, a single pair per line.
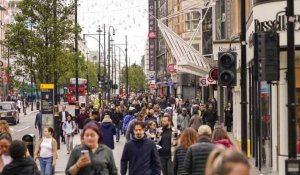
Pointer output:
109, 40
99, 69
87, 77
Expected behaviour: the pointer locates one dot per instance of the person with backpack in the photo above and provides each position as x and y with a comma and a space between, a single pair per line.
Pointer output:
69, 128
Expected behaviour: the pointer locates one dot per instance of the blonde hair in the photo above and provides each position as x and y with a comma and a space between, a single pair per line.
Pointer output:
221, 160
5, 127
204, 130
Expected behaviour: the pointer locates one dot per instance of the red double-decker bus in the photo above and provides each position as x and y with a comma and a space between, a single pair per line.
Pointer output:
82, 84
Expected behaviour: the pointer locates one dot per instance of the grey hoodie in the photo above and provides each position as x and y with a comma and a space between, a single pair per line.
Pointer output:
102, 161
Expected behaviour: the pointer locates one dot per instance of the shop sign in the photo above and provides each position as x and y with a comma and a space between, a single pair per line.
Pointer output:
280, 24
152, 35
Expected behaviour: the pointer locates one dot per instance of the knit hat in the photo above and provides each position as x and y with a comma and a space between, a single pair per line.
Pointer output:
107, 119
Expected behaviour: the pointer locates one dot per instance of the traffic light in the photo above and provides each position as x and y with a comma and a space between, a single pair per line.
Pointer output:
266, 51
227, 68
213, 73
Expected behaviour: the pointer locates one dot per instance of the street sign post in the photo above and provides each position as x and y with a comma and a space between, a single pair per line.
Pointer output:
203, 82
47, 106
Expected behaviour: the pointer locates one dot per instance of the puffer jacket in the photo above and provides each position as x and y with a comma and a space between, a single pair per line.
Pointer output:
197, 155
179, 158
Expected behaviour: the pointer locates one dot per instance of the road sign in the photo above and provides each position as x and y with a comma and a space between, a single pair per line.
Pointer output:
171, 69
203, 82
47, 86
210, 81
152, 85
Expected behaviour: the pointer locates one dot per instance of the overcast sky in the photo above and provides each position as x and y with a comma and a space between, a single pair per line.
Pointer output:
128, 17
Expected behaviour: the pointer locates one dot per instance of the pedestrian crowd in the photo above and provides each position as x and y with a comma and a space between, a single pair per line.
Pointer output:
163, 136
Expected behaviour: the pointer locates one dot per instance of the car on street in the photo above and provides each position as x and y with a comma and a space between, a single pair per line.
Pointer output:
9, 112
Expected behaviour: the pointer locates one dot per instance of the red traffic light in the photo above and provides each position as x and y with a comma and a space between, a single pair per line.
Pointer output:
213, 73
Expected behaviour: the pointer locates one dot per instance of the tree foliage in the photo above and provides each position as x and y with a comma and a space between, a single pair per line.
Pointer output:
136, 77
41, 33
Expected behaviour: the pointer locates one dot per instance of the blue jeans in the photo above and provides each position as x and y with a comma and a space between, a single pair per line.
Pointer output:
46, 165
117, 133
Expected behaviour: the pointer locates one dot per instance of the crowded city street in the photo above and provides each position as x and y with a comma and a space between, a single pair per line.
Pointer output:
149, 87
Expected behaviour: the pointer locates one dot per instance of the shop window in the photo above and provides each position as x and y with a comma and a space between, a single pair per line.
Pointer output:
266, 124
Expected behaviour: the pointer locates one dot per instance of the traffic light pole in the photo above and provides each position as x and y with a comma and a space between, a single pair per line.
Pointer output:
243, 78
292, 129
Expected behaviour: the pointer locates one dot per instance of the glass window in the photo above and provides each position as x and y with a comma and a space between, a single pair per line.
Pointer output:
196, 15
187, 16
195, 25
187, 26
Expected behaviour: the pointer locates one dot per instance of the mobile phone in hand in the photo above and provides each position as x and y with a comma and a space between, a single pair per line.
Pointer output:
85, 152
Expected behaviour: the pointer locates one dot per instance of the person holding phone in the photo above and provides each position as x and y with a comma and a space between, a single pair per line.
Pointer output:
92, 157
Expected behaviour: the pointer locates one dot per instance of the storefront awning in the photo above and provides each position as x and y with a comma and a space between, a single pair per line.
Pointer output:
188, 59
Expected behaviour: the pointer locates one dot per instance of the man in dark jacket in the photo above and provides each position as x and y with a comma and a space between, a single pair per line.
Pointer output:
21, 163
210, 116
62, 118
141, 154
38, 124
81, 119
197, 154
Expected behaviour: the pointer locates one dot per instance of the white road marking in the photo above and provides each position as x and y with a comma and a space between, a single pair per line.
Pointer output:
22, 129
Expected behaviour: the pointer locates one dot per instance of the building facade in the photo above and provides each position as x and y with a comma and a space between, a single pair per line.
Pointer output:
267, 103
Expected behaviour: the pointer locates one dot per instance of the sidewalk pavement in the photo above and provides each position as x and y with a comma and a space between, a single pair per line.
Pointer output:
254, 170
63, 157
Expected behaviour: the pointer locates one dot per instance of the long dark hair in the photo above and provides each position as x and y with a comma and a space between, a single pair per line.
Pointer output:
51, 130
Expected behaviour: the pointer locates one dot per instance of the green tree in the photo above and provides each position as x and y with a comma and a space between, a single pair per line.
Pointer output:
136, 77
41, 31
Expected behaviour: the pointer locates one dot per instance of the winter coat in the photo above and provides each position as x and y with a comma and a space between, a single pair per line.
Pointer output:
179, 158
109, 131
142, 157
174, 139
183, 122
197, 155
224, 142
21, 166
126, 122
102, 161
210, 118
195, 122
118, 117
81, 119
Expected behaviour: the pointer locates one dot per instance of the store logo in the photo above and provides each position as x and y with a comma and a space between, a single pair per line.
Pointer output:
280, 24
